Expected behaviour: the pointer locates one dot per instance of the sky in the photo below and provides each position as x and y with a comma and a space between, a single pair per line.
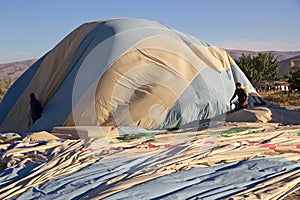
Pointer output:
31, 28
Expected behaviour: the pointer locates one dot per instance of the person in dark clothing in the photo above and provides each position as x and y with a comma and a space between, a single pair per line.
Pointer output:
36, 108
242, 97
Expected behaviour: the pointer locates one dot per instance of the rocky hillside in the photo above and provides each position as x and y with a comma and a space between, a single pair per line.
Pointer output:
15, 69
281, 55
285, 65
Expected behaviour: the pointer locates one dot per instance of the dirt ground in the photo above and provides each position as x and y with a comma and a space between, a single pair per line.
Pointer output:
294, 196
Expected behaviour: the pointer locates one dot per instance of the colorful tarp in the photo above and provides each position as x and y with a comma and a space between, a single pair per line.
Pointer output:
236, 161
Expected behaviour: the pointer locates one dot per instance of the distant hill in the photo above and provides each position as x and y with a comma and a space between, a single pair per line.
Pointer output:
281, 55
286, 64
15, 69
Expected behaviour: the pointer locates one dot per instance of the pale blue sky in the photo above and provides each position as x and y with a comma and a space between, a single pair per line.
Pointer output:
30, 28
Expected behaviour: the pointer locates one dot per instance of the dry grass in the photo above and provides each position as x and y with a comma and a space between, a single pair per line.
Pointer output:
282, 98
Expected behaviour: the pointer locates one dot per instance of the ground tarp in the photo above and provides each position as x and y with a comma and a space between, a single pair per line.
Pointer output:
263, 158
265, 114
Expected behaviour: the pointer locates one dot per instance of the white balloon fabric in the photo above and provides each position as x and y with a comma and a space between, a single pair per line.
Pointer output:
124, 72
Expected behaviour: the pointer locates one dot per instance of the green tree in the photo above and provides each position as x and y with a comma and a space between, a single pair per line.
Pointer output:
294, 78
4, 86
1, 87
261, 68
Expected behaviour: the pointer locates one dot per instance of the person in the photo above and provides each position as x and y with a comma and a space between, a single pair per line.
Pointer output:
36, 108
242, 97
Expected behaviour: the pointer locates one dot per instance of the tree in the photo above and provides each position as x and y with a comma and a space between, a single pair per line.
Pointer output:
260, 68
294, 78
4, 86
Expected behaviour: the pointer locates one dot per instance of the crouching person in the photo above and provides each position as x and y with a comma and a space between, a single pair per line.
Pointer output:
242, 97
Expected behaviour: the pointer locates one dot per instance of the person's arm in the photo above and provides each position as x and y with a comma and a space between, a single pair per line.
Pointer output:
234, 95
40, 107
